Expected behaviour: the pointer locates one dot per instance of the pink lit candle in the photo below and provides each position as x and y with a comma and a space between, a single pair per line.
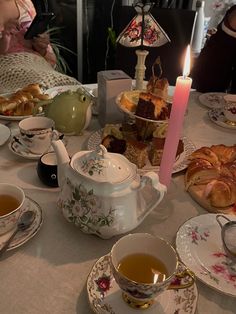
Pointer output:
179, 105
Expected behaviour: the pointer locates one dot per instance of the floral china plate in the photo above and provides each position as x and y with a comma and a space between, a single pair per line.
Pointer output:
105, 297
180, 164
217, 116
212, 100
23, 236
200, 247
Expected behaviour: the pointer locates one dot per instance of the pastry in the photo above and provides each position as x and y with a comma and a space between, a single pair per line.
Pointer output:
136, 152
211, 177
221, 192
113, 144
129, 100
22, 101
156, 150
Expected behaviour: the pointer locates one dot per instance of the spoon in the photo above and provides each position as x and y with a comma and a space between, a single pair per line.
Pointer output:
228, 235
23, 223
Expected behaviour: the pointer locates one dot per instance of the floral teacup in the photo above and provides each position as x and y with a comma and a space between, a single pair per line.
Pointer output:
137, 293
230, 109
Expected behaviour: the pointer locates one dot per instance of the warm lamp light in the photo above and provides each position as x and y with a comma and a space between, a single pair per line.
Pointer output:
143, 30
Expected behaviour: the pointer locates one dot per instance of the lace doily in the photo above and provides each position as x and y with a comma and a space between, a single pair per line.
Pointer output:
20, 69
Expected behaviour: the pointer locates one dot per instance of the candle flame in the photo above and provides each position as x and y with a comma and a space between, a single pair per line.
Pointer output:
186, 69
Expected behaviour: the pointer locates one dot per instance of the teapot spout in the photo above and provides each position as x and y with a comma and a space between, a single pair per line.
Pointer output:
62, 160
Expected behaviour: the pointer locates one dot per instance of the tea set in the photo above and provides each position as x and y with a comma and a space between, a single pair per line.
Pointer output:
103, 194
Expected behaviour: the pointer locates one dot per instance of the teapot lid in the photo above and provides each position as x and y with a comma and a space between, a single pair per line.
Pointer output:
102, 166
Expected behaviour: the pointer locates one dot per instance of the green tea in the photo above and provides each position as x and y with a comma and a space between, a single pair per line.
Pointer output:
143, 268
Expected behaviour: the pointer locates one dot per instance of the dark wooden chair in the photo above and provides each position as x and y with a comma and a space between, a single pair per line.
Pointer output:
177, 23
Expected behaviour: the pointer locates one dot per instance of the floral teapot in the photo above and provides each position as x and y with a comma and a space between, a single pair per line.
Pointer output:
102, 193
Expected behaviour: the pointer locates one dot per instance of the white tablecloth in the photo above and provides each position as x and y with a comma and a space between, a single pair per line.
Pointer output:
48, 274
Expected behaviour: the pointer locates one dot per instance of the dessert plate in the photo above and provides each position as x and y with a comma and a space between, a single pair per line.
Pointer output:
212, 100
105, 295
132, 114
4, 134
200, 247
180, 163
23, 236
217, 116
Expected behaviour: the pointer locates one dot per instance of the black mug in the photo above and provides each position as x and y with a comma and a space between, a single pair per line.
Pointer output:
47, 169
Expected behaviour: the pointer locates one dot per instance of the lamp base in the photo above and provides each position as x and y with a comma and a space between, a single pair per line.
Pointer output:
140, 68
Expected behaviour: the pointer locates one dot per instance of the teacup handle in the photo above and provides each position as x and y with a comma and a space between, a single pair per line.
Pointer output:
183, 274
55, 135
218, 219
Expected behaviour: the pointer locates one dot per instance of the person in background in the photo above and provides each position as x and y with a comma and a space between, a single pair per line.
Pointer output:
24, 62
215, 68
15, 18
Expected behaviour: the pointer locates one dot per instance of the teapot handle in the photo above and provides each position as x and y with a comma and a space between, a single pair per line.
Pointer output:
153, 179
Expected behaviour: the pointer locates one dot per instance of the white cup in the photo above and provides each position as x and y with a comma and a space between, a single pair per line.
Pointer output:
37, 133
10, 209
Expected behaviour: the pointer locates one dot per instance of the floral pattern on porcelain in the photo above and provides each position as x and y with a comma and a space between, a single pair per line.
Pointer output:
92, 165
197, 234
101, 286
86, 210
9, 222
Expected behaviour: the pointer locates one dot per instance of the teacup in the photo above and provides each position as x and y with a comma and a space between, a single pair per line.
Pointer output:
230, 109
12, 200
37, 133
47, 169
144, 266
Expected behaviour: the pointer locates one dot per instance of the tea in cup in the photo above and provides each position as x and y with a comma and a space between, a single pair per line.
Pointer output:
37, 133
12, 199
144, 266
230, 109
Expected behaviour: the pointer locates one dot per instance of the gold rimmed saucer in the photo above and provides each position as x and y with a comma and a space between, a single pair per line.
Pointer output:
105, 296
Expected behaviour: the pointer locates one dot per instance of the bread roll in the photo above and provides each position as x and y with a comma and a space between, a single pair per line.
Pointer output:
221, 192
207, 154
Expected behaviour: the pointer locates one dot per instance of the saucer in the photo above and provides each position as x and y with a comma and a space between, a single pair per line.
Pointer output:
105, 295
217, 116
23, 236
17, 148
212, 100
200, 247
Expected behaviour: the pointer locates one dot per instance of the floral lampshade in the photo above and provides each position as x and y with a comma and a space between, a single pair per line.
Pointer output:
143, 30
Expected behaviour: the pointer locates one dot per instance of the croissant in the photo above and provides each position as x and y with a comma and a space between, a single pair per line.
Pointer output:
213, 169
207, 154
221, 192
200, 171
224, 153
229, 169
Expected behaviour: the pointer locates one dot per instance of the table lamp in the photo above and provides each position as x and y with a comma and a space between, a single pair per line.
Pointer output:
143, 30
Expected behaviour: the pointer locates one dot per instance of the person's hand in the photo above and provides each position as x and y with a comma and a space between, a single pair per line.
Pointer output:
40, 43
